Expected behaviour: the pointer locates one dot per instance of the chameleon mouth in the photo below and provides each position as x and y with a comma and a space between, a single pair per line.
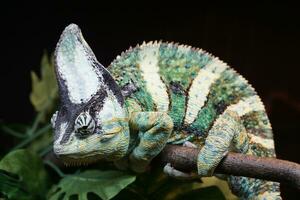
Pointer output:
80, 161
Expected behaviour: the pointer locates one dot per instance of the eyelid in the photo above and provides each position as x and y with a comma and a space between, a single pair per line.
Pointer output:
114, 130
115, 120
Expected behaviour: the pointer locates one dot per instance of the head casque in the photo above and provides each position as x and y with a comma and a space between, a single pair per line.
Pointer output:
92, 122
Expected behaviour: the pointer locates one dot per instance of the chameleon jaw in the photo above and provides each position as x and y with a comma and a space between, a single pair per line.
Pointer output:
82, 161
108, 147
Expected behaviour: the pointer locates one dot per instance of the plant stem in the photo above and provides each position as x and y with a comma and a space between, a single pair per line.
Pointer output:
32, 137
12, 132
35, 123
46, 150
55, 168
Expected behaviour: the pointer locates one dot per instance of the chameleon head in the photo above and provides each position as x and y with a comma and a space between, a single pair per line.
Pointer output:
92, 122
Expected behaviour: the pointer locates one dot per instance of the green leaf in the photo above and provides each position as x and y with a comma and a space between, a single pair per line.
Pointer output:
165, 188
12, 187
221, 184
212, 193
172, 188
44, 89
29, 167
208, 188
106, 184
156, 185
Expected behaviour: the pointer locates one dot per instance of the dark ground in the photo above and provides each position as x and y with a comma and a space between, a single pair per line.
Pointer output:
261, 41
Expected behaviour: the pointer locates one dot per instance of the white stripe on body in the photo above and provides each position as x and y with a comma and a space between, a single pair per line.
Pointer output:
149, 56
246, 106
265, 142
200, 88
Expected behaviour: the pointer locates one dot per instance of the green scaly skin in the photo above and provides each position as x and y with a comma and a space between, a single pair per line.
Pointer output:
177, 94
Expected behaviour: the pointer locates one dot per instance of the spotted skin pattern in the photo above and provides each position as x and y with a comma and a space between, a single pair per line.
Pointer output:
209, 103
175, 94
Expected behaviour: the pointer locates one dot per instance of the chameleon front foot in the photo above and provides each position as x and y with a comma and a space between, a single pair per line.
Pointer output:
154, 129
226, 135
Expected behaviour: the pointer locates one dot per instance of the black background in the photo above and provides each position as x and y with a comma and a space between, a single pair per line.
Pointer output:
259, 39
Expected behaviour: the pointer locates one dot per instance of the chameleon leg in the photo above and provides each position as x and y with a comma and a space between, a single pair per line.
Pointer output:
154, 129
226, 134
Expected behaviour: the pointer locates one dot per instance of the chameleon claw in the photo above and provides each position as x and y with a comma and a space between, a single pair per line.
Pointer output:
189, 144
172, 172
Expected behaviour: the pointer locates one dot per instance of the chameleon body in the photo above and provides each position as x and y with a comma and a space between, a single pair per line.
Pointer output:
154, 94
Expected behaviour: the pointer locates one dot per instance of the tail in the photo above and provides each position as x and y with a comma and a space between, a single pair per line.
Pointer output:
254, 189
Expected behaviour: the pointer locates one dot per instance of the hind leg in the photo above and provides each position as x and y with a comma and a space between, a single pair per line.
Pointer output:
227, 134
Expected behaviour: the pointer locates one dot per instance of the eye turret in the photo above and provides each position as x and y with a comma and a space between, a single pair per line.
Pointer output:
84, 125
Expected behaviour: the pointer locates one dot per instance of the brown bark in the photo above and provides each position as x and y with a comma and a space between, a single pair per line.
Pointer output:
185, 159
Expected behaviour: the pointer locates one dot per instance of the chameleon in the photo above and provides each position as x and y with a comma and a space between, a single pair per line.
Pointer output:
154, 94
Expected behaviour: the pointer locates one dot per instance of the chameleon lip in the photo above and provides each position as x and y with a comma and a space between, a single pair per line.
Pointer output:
79, 161
111, 134
75, 156
106, 136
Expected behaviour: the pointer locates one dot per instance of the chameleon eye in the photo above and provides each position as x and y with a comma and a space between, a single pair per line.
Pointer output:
84, 125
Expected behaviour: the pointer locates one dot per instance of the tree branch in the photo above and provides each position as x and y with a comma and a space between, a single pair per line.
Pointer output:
185, 159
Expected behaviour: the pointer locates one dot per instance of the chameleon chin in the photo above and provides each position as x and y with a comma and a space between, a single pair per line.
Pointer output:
153, 94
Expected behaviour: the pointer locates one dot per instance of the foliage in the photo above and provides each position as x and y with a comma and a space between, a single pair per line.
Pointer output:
29, 167
44, 90
24, 175
12, 187
106, 184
